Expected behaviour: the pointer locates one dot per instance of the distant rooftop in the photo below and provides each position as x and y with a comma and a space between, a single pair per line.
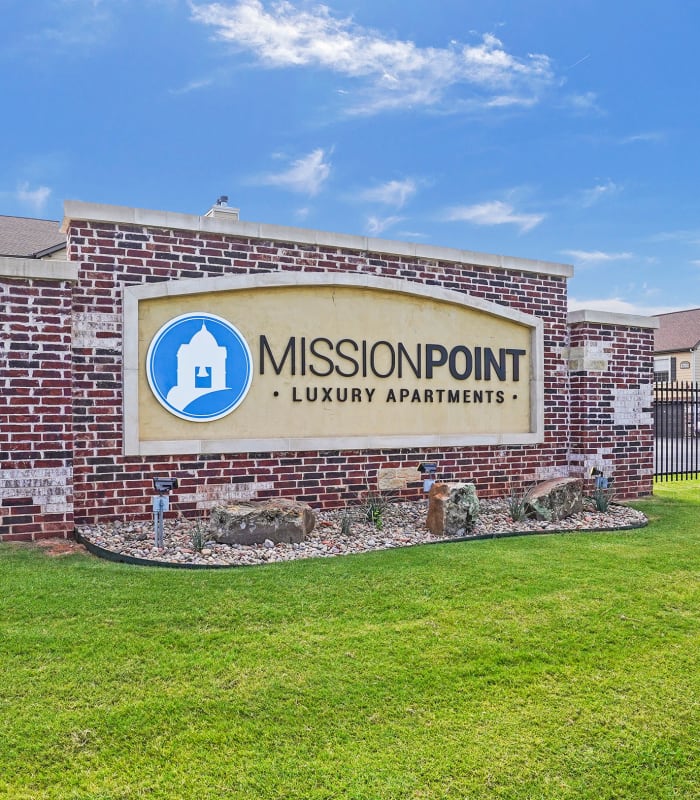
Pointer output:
23, 237
678, 330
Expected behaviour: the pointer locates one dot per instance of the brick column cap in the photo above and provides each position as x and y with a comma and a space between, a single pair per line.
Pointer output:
583, 315
43, 269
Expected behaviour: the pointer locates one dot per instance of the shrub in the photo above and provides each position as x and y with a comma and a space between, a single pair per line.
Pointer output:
517, 503
602, 498
374, 506
198, 534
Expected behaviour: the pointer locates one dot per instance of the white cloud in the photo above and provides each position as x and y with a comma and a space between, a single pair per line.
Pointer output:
649, 136
393, 73
36, 199
306, 175
509, 100
591, 196
391, 193
377, 225
412, 235
193, 86
689, 236
495, 212
588, 257
75, 28
584, 103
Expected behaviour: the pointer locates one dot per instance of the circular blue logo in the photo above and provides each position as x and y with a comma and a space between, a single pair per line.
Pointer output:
199, 367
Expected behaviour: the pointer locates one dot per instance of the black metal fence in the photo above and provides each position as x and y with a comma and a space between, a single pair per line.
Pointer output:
676, 430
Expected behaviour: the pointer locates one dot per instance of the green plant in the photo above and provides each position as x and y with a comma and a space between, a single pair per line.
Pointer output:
375, 505
602, 498
199, 534
346, 522
517, 503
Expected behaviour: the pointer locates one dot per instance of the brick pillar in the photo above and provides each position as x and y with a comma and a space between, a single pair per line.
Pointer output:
36, 460
611, 376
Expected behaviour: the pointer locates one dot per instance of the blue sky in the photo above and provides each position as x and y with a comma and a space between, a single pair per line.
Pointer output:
562, 131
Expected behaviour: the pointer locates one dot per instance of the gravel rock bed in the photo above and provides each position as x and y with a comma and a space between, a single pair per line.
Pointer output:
403, 524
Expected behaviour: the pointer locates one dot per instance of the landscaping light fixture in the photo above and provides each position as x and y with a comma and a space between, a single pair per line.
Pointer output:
164, 485
601, 481
428, 470
161, 503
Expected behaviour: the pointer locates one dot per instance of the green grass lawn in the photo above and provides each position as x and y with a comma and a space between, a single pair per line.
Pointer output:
560, 666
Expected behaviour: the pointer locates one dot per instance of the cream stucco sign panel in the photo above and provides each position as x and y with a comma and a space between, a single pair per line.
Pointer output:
286, 362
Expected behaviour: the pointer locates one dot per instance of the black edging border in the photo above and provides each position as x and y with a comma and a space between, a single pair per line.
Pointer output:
120, 558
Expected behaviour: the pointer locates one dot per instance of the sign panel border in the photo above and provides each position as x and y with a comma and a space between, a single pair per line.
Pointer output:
134, 295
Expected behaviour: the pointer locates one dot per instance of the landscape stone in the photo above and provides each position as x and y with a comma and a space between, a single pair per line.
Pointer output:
253, 522
437, 497
555, 499
393, 478
403, 524
453, 509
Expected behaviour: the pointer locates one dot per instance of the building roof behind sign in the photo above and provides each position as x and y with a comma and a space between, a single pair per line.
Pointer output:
678, 330
24, 237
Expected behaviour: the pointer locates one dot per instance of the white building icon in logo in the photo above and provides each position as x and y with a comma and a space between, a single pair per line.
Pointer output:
201, 369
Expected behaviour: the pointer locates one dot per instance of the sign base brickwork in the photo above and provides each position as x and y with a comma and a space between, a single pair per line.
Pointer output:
70, 365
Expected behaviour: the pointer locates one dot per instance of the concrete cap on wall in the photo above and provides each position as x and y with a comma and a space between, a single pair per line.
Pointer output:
44, 269
611, 318
229, 224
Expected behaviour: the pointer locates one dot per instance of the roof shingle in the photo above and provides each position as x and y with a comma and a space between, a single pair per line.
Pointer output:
678, 330
23, 237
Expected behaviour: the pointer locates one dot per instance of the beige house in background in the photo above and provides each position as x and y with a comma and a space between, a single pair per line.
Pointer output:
676, 346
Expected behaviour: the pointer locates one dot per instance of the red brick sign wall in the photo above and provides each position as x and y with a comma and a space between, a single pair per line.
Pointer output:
35, 408
611, 408
61, 363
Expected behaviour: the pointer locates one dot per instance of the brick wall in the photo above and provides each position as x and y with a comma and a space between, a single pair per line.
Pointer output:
107, 483
35, 403
61, 431
612, 428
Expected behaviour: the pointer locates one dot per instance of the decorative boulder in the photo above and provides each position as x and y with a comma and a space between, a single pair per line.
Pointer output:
453, 509
554, 499
254, 522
